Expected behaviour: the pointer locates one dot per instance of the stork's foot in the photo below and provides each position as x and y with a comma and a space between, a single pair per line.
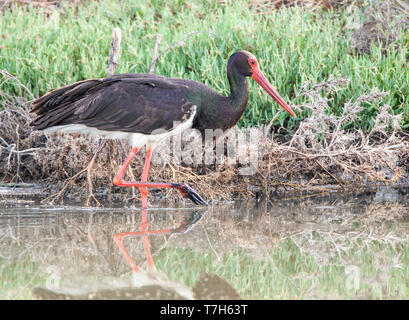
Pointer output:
188, 192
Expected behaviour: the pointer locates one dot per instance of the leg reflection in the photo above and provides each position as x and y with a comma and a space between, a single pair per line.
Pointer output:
144, 233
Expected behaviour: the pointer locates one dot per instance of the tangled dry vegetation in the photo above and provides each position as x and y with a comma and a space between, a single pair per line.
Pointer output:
383, 20
320, 152
263, 5
381, 25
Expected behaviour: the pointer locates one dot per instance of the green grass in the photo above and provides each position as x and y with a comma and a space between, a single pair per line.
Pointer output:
381, 271
284, 273
293, 46
18, 277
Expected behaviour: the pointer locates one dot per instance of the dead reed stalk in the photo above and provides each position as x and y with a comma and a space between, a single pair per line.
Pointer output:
320, 152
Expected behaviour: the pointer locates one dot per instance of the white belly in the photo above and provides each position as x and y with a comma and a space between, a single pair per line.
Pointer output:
135, 139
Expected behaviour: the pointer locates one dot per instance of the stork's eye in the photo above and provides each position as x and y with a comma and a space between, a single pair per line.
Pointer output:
252, 63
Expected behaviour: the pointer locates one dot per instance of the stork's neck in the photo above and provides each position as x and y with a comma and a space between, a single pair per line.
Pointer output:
239, 92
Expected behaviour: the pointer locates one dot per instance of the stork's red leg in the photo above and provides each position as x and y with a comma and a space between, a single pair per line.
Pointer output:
143, 188
184, 189
118, 240
144, 233
143, 227
144, 178
185, 226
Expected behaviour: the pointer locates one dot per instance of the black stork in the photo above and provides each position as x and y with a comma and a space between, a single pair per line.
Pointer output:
135, 106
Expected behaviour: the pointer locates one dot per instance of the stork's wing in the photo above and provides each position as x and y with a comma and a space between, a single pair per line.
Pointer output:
138, 103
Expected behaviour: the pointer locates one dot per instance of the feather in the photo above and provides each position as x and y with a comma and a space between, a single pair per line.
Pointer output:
139, 103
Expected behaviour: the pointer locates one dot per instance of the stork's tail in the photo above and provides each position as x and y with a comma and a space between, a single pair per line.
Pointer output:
58, 104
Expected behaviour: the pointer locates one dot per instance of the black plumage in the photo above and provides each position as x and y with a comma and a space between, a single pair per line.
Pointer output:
128, 105
142, 103
138, 103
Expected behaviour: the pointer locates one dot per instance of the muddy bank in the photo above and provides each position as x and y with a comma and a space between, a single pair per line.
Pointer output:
320, 155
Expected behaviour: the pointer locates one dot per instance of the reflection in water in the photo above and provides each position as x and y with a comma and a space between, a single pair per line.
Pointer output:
147, 286
185, 226
72, 248
83, 237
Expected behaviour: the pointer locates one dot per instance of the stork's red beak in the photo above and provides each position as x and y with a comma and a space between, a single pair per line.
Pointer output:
266, 85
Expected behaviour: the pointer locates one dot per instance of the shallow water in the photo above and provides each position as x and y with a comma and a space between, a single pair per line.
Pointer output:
303, 247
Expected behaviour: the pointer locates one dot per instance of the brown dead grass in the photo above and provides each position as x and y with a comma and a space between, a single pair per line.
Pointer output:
263, 5
382, 25
319, 153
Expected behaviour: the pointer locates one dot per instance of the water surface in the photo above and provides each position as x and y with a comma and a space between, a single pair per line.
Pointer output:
333, 245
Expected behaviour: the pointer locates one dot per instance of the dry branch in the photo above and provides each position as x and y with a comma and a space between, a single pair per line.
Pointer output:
114, 53
112, 64
320, 152
155, 53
